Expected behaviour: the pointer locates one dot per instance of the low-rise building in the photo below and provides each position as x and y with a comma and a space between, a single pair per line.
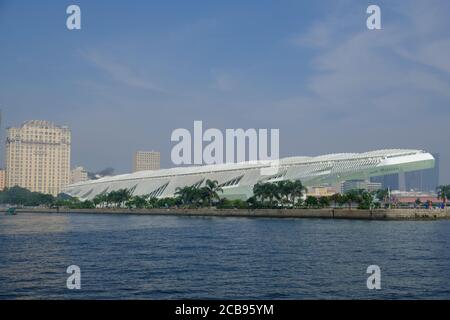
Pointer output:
410, 198
321, 191
78, 174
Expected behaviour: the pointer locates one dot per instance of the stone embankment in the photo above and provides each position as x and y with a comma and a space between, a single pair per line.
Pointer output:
378, 214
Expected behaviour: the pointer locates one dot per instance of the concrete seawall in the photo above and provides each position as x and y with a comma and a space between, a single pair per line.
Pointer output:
379, 214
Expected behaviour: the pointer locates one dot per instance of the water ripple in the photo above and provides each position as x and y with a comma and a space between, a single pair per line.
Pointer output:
161, 257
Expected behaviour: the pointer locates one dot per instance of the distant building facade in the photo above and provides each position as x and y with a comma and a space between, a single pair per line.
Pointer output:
38, 156
78, 174
416, 181
411, 197
321, 191
360, 184
146, 160
423, 180
2, 179
390, 181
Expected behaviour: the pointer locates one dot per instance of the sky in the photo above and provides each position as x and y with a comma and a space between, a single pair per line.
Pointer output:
137, 70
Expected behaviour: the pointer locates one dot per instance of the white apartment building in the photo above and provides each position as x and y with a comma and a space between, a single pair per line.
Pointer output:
38, 156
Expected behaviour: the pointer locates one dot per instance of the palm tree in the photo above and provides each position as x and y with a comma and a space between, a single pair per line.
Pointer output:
336, 198
252, 202
311, 201
297, 190
383, 195
258, 191
122, 196
191, 195
324, 201
341, 200
138, 202
111, 198
284, 190
271, 191
185, 194
152, 202
212, 190
444, 193
99, 199
352, 196
366, 199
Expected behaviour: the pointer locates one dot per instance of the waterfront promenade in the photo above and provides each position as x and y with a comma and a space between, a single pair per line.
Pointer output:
377, 214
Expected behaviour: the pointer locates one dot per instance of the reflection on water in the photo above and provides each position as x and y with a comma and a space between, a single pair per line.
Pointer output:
129, 256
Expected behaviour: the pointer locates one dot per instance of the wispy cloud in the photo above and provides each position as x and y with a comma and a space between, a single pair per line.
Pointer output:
225, 80
402, 62
318, 36
120, 72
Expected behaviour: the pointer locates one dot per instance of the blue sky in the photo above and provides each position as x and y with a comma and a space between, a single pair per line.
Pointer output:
137, 70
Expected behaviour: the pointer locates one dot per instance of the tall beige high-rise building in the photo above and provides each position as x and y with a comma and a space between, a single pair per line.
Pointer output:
146, 160
2, 179
38, 156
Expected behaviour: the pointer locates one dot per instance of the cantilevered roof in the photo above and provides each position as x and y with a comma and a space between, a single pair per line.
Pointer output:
385, 153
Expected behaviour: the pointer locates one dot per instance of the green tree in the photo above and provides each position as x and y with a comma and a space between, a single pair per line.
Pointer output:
273, 193
352, 196
298, 190
366, 199
24, 197
100, 199
225, 203
153, 202
286, 192
383, 195
123, 195
311, 202
324, 202
259, 192
252, 202
212, 190
443, 192
112, 198
191, 196
299, 203
263, 191
117, 197
137, 202
337, 198
168, 202
283, 190
342, 200
418, 203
